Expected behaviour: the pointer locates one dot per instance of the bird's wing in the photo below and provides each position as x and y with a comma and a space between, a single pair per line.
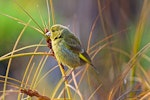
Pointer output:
73, 43
85, 57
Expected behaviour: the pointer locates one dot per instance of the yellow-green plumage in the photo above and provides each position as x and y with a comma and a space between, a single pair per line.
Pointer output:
67, 47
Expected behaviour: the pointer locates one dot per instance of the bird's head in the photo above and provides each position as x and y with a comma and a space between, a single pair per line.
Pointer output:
57, 31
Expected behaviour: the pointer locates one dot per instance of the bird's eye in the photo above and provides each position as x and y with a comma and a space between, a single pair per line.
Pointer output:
53, 30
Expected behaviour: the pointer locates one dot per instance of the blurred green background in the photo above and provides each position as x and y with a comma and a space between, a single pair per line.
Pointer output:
119, 16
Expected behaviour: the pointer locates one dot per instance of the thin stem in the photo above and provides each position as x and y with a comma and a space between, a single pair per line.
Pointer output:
66, 81
25, 54
10, 60
52, 11
31, 17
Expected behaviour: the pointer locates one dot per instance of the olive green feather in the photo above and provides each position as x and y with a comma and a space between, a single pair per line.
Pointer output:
67, 47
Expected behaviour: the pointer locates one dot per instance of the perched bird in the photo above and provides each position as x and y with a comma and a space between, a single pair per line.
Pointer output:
67, 47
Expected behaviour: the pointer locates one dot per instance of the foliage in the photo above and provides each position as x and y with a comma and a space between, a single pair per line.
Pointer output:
118, 46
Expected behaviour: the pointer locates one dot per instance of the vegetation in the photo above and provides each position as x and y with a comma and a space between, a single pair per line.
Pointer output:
114, 33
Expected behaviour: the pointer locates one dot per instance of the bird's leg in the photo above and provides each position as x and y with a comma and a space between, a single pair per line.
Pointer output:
63, 68
65, 81
67, 76
71, 71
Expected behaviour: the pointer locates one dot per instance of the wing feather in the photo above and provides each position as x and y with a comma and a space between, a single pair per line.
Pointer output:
73, 43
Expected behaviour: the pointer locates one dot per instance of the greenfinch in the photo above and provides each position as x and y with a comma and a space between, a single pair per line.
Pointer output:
67, 47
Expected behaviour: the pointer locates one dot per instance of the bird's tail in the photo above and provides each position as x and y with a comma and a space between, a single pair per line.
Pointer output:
95, 69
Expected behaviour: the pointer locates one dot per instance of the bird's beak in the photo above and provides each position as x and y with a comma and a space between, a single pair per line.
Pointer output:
48, 33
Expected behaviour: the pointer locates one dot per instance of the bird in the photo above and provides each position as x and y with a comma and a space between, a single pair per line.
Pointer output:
67, 47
